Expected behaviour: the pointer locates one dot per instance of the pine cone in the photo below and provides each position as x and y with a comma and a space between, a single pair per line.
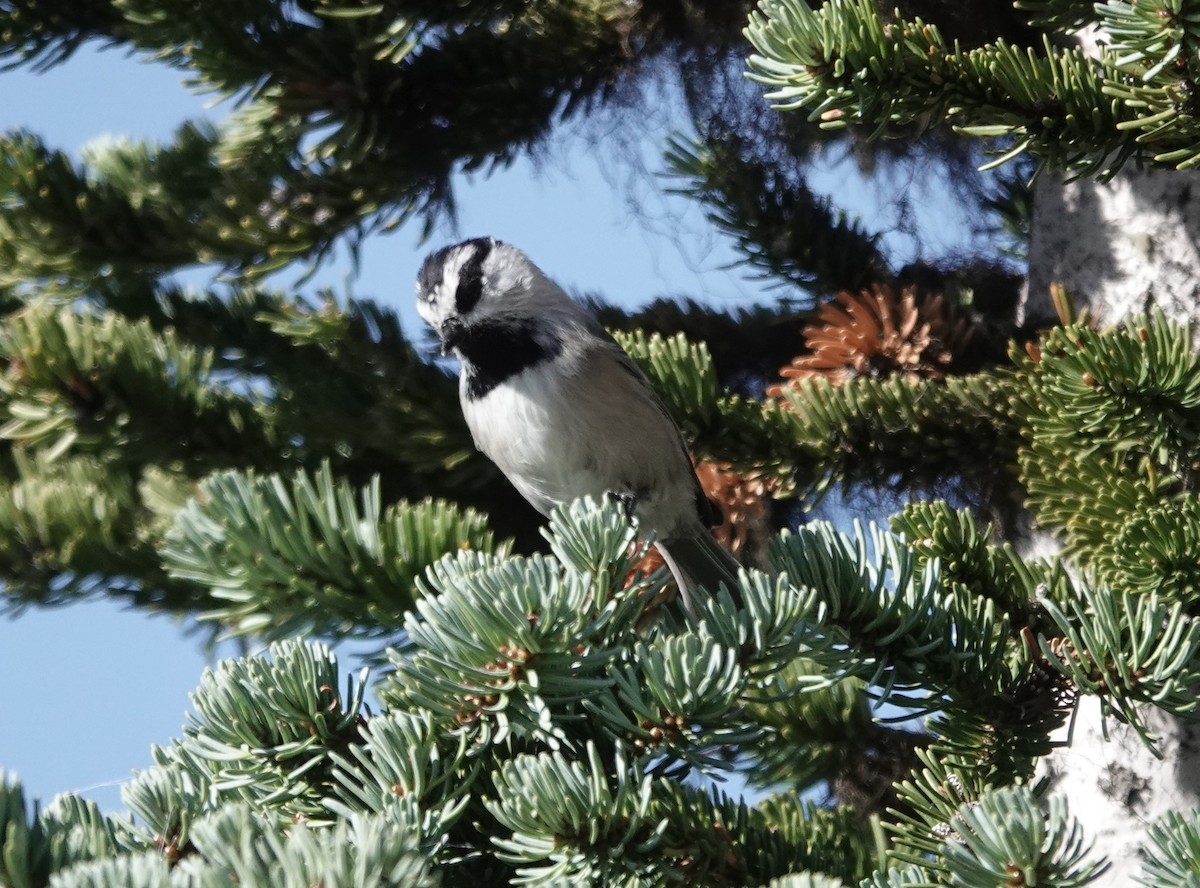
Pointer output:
742, 499
876, 333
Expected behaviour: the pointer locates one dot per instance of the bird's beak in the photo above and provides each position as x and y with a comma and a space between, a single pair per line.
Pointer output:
451, 332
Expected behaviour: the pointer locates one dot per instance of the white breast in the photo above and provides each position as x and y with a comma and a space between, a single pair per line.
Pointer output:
583, 425
529, 430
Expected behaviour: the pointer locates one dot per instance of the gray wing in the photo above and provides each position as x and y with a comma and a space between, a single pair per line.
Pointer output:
702, 509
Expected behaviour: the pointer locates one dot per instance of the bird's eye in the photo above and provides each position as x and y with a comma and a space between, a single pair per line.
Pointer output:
470, 283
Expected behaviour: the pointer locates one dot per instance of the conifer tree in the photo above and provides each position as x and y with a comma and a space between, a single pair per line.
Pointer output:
295, 470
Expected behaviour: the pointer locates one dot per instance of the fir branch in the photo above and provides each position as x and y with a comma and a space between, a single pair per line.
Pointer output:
263, 732
1006, 836
77, 830
1154, 551
1060, 15
721, 425
1111, 418
782, 228
805, 880
929, 801
167, 798
1155, 45
147, 869
68, 526
37, 850
679, 694
310, 555
902, 632
1171, 855
835, 841
404, 759
323, 145
747, 344
236, 845
44, 33
1128, 650
767, 620
968, 558
998, 706
828, 734
576, 820
683, 374
892, 432
95, 382
25, 860
911, 876
711, 839
132, 210
500, 646
846, 65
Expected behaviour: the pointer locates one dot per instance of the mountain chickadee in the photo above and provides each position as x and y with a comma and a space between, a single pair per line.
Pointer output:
555, 402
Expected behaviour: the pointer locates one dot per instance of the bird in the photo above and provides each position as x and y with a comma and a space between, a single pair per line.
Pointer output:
562, 410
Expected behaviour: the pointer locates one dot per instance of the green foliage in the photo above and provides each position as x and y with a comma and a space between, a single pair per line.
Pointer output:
47, 33
63, 522
968, 558
682, 372
284, 557
1112, 421
330, 96
114, 421
403, 756
97, 382
899, 630
884, 432
1172, 853
929, 800
805, 880
563, 652
547, 702
890, 432
588, 827
846, 65
817, 731
911, 875
832, 840
276, 722
511, 665
235, 845
716, 422
1129, 650
1034, 847
25, 851
782, 227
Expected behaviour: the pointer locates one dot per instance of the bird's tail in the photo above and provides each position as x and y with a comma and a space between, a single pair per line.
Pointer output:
699, 560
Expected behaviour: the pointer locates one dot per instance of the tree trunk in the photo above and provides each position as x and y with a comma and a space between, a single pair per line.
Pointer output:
1116, 787
1121, 247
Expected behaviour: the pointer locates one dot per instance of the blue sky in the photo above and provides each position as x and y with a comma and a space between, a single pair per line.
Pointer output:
89, 688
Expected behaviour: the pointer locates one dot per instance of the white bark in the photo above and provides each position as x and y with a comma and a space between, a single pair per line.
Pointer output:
1119, 248
1116, 787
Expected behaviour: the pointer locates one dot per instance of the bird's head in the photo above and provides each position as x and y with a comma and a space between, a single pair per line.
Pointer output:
483, 282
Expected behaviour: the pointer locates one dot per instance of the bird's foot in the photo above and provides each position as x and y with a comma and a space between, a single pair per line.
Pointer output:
627, 500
